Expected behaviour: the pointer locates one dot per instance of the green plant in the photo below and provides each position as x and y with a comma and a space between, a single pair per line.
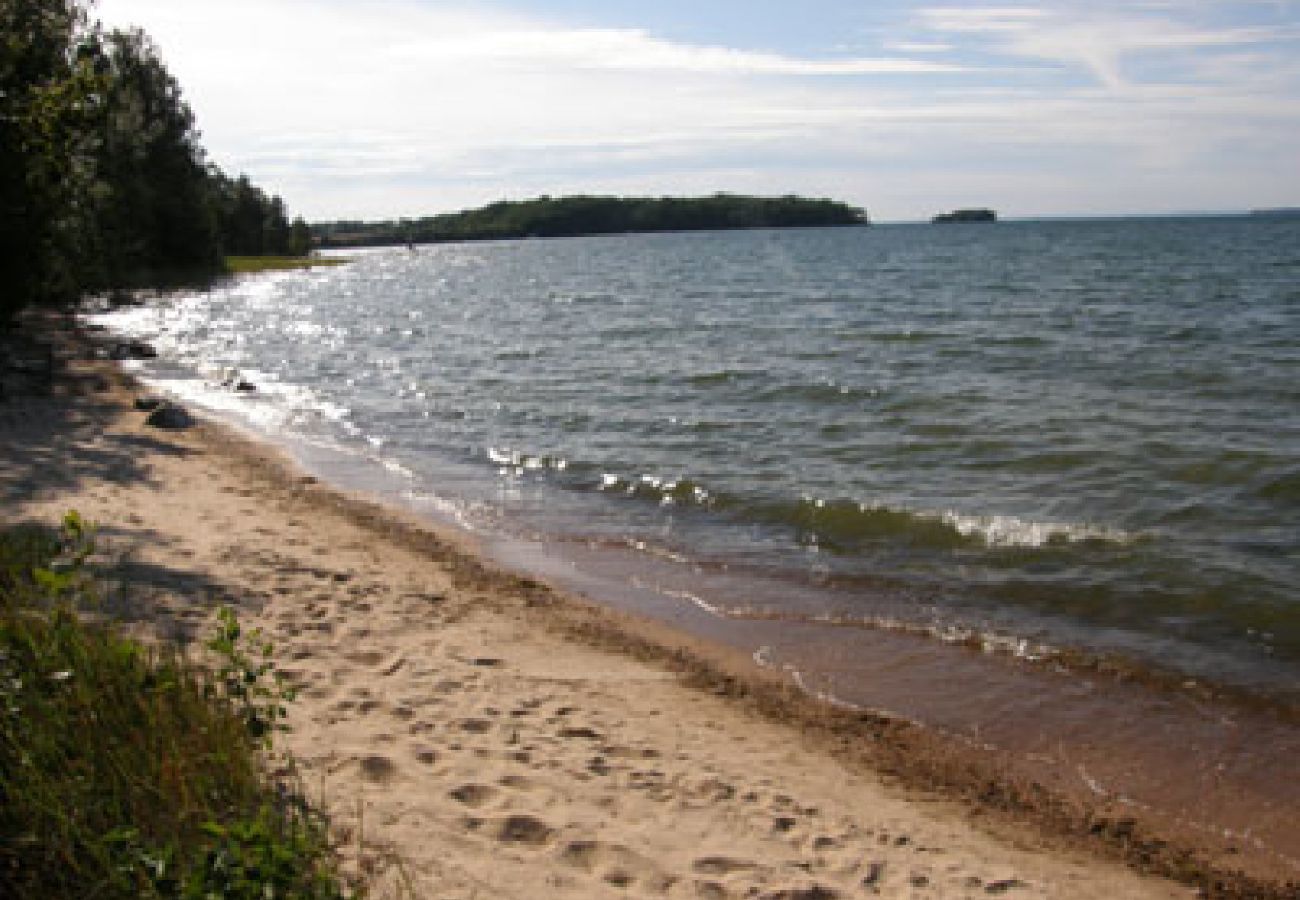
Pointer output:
127, 771
240, 680
43, 567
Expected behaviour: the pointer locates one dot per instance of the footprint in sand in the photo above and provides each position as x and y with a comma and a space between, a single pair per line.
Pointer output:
377, 769
722, 865
474, 795
811, 892
583, 733
616, 865
516, 782
522, 829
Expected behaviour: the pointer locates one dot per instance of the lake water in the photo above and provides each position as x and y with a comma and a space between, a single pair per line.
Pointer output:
1053, 439
1035, 486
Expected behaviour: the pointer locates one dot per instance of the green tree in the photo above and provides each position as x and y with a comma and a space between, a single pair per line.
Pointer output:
154, 215
49, 88
299, 238
103, 180
252, 223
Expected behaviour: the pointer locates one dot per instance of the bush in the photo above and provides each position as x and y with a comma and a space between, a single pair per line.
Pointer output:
127, 771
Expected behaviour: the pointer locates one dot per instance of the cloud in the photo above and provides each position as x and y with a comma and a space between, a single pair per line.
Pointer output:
637, 50
918, 46
989, 19
399, 107
1099, 39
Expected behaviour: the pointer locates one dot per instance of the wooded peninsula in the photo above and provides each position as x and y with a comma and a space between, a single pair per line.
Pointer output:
589, 215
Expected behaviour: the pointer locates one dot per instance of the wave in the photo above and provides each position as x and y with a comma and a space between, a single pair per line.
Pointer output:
516, 462
836, 525
847, 525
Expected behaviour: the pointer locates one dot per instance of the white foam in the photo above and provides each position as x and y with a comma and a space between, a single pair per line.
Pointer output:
1009, 531
696, 600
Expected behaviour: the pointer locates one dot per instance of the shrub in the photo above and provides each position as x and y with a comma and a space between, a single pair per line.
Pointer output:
127, 771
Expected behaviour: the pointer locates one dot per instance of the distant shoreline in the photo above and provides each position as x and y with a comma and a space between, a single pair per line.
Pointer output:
583, 216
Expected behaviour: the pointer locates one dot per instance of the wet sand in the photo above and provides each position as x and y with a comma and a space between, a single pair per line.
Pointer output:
474, 733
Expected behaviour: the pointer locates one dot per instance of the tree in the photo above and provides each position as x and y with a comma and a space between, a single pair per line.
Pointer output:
299, 238
48, 86
103, 180
252, 223
155, 216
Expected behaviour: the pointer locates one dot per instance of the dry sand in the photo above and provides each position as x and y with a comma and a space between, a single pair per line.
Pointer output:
465, 737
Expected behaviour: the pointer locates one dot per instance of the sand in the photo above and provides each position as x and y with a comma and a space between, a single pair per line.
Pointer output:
472, 733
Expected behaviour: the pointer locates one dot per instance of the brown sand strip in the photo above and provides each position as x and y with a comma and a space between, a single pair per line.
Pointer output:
476, 734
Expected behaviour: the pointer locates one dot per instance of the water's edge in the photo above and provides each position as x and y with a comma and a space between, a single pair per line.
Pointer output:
1212, 772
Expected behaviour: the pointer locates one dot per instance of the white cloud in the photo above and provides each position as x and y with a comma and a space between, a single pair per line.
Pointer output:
918, 46
1099, 39
994, 19
397, 107
636, 50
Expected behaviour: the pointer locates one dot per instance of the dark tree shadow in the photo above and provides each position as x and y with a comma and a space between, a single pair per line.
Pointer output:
54, 413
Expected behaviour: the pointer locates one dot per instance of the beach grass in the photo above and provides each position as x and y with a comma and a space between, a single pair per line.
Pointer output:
128, 770
239, 265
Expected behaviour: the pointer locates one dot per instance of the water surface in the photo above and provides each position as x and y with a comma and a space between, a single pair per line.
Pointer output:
1034, 435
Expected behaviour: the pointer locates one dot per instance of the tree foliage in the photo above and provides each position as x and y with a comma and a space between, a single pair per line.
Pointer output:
255, 224
569, 216
103, 180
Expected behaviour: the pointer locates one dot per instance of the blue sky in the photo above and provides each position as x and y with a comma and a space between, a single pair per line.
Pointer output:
381, 108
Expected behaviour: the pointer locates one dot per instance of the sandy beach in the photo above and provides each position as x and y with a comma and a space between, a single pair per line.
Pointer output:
474, 733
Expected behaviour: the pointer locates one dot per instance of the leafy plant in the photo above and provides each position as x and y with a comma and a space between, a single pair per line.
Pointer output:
125, 770
241, 678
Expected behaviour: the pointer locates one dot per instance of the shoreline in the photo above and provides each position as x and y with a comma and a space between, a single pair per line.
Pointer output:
275, 494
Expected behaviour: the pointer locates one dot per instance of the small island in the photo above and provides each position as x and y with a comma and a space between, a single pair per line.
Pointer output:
964, 216
588, 215
1278, 212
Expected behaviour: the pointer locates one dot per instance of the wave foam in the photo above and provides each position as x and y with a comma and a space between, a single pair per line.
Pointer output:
1009, 531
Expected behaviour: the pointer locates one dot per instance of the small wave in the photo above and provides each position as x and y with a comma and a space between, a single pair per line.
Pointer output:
666, 491
908, 337
696, 600
845, 524
821, 392
722, 376
1283, 489
1009, 531
516, 462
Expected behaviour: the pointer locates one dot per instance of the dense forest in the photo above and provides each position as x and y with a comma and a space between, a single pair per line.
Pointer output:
570, 216
103, 181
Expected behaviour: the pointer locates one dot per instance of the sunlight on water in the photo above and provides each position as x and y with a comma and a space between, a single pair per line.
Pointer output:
1080, 433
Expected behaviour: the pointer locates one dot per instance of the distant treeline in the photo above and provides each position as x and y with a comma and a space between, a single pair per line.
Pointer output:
103, 181
571, 216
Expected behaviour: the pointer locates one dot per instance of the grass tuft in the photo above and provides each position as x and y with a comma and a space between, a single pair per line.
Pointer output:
126, 770
239, 265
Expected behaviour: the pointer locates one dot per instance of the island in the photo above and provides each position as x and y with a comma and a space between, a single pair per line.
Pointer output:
1278, 212
965, 216
573, 216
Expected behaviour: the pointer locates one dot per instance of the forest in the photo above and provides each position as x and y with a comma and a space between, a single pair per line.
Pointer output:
103, 181
579, 215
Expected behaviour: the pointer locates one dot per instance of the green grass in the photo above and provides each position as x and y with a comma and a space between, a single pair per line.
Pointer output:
126, 770
239, 265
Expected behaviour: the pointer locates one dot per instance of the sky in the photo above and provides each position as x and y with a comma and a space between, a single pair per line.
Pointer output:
377, 109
